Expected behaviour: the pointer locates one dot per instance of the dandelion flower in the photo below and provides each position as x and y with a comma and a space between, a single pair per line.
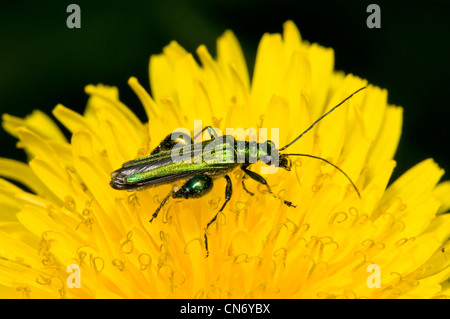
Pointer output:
259, 248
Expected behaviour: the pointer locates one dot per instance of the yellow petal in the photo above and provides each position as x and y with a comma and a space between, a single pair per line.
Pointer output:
268, 72
37, 122
297, 89
151, 108
229, 52
22, 173
186, 74
322, 63
73, 121
110, 107
292, 38
214, 82
442, 193
161, 70
275, 117
388, 137
421, 179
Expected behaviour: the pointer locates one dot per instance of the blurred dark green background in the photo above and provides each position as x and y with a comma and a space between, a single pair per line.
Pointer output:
43, 63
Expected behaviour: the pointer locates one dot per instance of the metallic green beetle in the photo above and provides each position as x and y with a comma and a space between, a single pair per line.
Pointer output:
198, 173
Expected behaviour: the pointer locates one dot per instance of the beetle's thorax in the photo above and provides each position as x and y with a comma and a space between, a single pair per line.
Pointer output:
251, 152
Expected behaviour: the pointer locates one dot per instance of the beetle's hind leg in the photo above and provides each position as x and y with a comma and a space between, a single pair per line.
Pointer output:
228, 193
194, 187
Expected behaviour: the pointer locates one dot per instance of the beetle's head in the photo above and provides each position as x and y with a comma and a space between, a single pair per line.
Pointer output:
285, 162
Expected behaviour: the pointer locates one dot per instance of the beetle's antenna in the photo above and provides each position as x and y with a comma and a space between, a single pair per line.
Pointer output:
328, 162
312, 125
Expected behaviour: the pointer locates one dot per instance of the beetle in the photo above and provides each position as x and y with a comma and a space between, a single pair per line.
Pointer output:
198, 172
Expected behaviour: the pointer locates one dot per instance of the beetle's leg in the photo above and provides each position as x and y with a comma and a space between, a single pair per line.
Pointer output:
155, 214
210, 131
168, 142
261, 180
245, 188
198, 186
228, 192
255, 176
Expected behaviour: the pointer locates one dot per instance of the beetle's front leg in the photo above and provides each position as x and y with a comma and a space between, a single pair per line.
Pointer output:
262, 180
245, 188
